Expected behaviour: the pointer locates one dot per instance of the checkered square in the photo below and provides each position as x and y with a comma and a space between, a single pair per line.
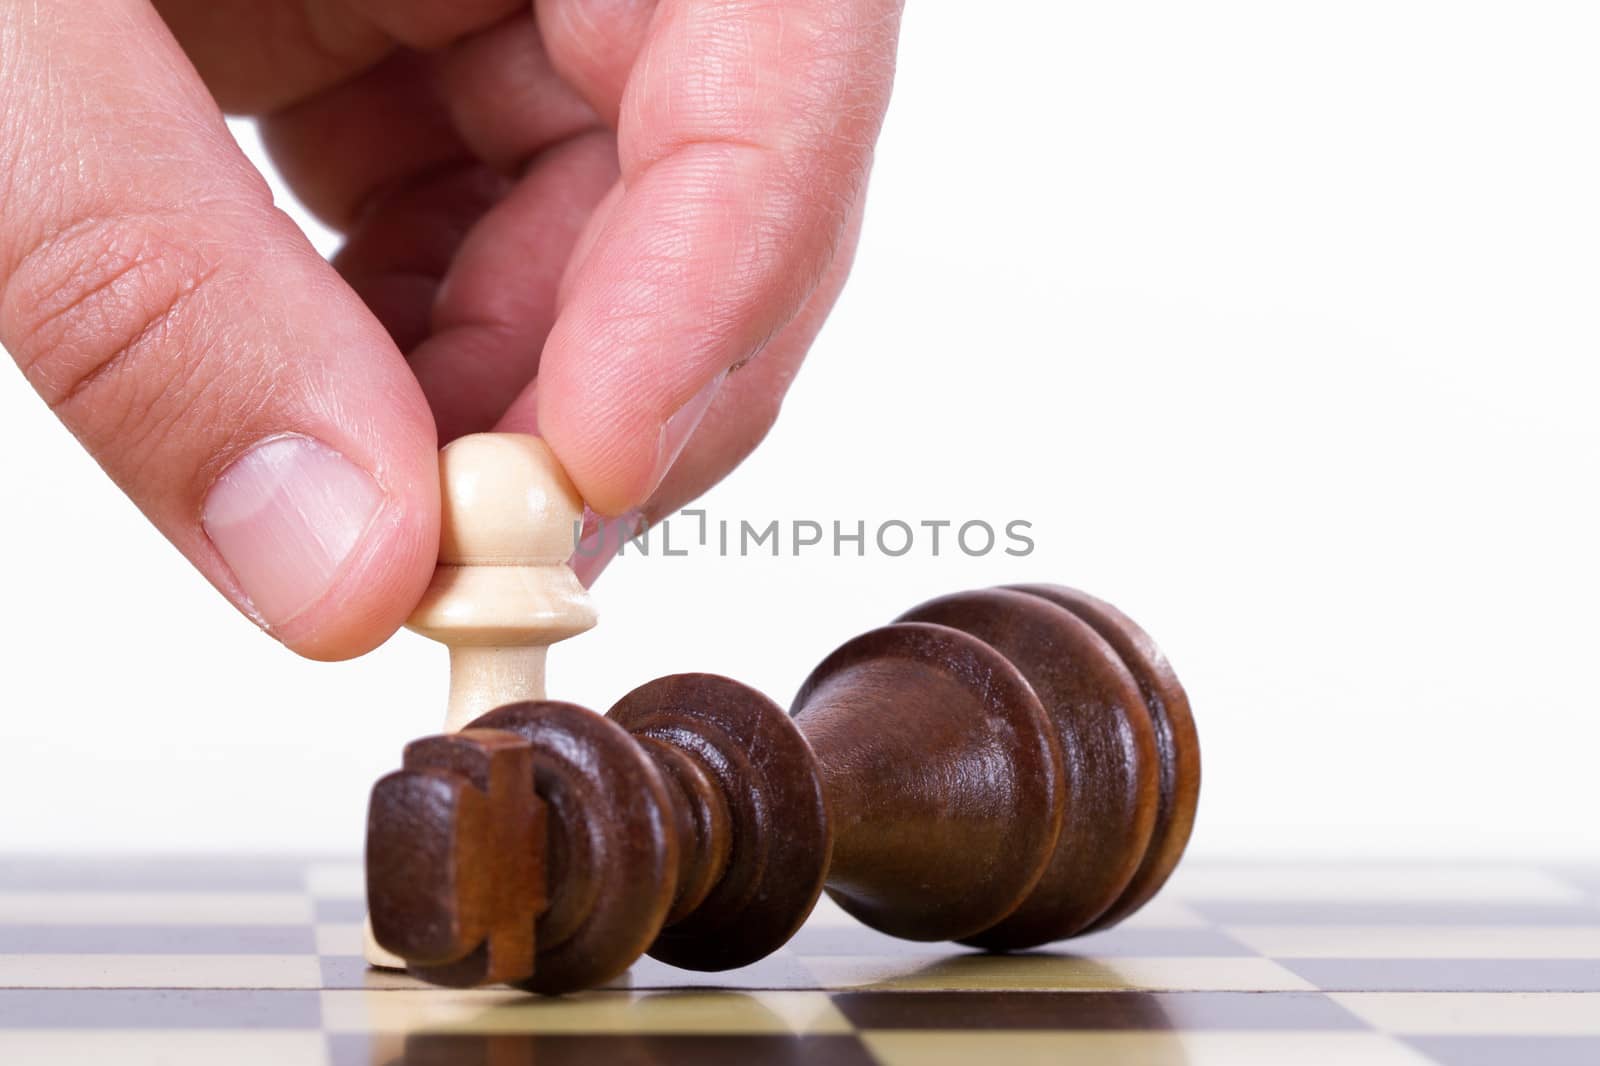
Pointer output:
190, 961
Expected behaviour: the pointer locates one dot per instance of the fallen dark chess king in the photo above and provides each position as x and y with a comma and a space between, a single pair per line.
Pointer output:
1003, 768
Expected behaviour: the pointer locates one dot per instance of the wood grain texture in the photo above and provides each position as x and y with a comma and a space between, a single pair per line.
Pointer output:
1177, 741
944, 776
613, 843
778, 836
1108, 744
455, 844
502, 591
1003, 767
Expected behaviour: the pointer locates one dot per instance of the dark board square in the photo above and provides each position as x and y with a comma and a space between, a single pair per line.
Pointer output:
341, 910
620, 1050
158, 1008
1291, 912
151, 874
343, 971
1449, 975
1143, 1011
352, 972
1501, 1050
1587, 879
157, 940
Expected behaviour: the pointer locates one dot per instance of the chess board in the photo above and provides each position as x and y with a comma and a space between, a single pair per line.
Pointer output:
257, 961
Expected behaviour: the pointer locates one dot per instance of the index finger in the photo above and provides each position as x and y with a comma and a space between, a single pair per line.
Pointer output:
746, 134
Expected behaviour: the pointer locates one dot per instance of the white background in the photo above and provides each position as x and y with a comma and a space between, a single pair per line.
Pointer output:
1279, 323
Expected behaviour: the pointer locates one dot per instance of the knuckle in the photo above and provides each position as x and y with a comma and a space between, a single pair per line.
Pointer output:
432, 26
101, 317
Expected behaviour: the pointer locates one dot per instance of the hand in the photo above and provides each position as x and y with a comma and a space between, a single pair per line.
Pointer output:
617, 223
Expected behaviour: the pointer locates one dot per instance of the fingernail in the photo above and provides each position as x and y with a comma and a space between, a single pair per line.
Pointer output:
680, 427
591, 560
602, 538
284, 518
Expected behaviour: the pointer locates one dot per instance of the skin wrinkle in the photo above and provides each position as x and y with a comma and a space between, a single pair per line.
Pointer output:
473, 373
760, 248
98, 197
593, 46
743, 39
748, 129
708, 102
52, 312
58, 261
576, 154
160, 321
754, 396
13, 70
148, 415
131, 410
150, 421
759, 265
170, 313
26, 141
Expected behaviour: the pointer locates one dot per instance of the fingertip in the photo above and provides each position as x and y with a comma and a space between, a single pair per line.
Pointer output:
609, 449
372, 597
324, 556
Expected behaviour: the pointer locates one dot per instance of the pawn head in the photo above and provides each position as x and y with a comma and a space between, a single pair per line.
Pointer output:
506, 501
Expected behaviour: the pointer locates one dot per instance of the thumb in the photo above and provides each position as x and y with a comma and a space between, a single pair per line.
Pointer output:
187, 333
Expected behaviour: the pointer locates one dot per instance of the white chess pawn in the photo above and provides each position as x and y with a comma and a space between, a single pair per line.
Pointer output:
503, 592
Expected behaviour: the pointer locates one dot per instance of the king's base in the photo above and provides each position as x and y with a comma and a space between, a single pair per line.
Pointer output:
373, 952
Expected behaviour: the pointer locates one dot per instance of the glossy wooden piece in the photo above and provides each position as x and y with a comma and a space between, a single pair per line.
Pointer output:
1006, 768
746, 765
502, 591
455, 843
944, 778
613, 850
1108, 747
689, 822
1177, 742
